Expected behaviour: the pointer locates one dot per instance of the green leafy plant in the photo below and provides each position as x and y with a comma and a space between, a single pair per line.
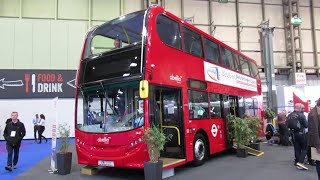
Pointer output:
254, 124
64, 136
239, 131
155, 140
269, 114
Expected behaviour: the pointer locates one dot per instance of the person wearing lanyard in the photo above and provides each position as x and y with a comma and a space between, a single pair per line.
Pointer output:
13, 134
35, 122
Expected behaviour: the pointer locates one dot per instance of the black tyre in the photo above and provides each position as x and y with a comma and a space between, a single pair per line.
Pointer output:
200, 151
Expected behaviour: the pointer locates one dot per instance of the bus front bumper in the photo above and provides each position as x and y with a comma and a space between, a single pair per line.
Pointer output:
133, 158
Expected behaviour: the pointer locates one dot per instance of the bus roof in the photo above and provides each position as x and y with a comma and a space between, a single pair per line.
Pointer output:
169, 14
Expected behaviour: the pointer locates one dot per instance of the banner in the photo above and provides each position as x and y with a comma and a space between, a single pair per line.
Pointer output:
220, 75
18, 84
298, 97
54, 135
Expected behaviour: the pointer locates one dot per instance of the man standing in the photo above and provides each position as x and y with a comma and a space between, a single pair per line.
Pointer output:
297, 123
314, 131
13, 134
35, 122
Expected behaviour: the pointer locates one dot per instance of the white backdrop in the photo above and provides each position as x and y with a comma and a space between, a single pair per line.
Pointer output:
28, 108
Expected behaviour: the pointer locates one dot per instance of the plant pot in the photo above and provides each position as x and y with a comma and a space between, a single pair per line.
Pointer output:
153, 170
241, 152
255, 146
64, 163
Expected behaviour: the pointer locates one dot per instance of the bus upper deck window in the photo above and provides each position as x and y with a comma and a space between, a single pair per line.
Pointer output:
168, 31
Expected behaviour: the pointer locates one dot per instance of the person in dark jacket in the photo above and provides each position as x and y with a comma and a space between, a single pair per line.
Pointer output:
314, 131
299, 137
8, 120
13, 134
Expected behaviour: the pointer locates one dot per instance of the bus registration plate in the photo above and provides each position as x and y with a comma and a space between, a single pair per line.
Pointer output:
105, 163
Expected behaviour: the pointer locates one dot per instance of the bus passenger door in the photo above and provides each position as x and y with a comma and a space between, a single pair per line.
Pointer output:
171, 121
228, 110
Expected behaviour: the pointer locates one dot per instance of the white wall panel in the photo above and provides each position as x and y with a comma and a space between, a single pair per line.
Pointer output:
280, 59
316, 3
255, 56
305, 16
76, 33
228, 35
272, 1
38, 8
59, 45
132, 6
274, 13
28, 108
23, 44
105, 10
318, 40
306, 41
219, 15
250, 14
204, 29
197, 9
94, 23
279, 43
6, 43
234, 45
73, 9
174, 7
304, 2
250, 1
250, 39
308, 59
9, 8
317, 17
41, 44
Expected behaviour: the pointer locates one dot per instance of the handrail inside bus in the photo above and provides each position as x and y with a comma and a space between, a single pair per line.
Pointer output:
126, 33
173, 127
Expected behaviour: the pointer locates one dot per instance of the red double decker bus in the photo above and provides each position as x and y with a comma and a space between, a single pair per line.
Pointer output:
193, 82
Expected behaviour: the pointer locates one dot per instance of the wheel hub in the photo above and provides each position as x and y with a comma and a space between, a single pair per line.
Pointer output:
199, 149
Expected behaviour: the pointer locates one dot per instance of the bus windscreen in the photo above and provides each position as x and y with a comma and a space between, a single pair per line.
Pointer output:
118, 33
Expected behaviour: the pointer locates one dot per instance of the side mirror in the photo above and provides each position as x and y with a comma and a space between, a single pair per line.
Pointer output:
144, 89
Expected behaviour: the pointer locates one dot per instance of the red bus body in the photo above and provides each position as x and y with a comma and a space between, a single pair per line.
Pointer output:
168, 67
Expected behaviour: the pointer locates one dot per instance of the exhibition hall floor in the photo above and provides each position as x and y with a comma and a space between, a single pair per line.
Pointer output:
276, 163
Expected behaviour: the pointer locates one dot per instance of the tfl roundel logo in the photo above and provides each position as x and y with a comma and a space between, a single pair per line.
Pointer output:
214, 130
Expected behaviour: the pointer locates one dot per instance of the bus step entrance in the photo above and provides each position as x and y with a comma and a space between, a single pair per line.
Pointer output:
251, 151
171, 161
173, 149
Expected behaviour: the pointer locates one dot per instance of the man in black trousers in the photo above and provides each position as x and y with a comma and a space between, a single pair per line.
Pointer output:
13, 134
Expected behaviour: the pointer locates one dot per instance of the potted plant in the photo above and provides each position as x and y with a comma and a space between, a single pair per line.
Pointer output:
239, 133
64, 157
155, 140
269, 115
254, 124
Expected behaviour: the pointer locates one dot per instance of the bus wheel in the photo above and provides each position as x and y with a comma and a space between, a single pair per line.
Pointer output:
199, 150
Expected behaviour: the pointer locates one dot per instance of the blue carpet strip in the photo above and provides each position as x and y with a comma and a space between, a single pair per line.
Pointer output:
30, 154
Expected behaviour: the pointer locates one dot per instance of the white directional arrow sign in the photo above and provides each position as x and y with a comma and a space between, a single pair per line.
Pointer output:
72, 83
15, 83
